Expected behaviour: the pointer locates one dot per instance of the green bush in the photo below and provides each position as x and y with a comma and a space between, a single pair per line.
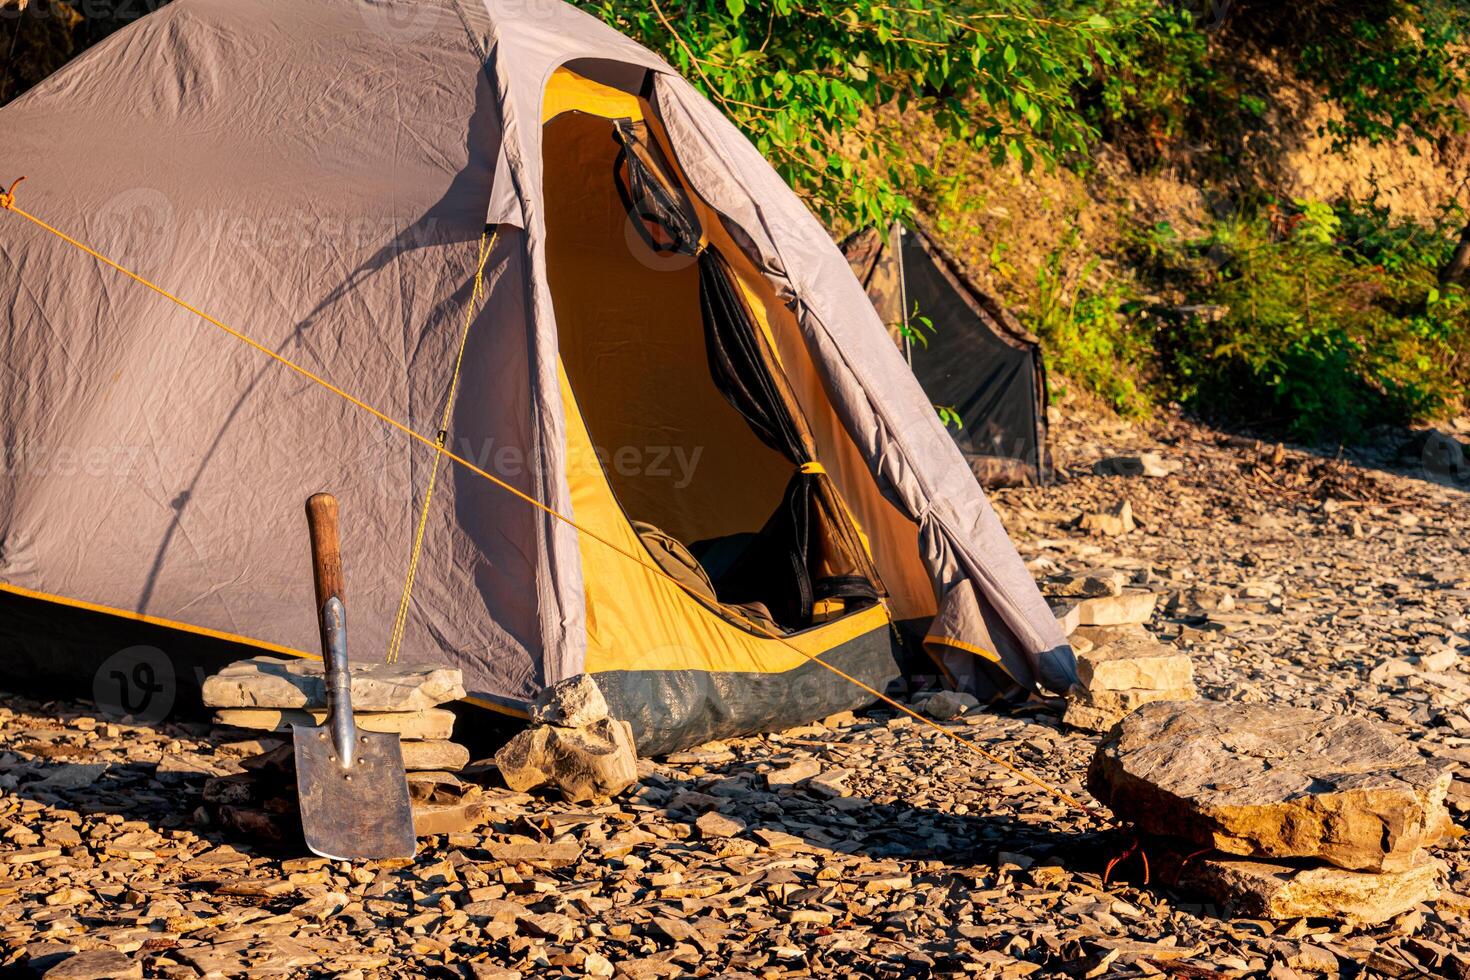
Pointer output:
1087, 331
1159, 83
1323, 322
1388, 64
1176, 77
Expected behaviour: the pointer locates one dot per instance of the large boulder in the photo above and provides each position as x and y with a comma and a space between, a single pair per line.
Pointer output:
1273, 781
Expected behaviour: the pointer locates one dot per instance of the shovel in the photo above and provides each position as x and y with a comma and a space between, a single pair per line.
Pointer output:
354, 794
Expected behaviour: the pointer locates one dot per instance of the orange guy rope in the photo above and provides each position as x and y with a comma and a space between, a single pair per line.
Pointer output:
7, 203
7, 200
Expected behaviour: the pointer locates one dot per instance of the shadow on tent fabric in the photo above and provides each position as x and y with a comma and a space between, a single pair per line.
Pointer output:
457, 218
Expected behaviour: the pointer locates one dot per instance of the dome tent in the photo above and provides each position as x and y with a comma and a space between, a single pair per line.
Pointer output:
669, 351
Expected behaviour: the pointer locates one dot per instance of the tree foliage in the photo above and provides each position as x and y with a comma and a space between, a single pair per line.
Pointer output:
1391, 64
824, 87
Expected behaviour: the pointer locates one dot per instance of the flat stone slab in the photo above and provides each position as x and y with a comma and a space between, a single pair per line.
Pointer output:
1132, 664
418, 756
1273, 781
1125, 608
96, 964
284, 682
1128, 701
421, 756
1100, 581
426, 723
254, 957
1253, 888
1099, 711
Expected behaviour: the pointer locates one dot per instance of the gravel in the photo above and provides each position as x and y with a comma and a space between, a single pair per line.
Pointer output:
869, 845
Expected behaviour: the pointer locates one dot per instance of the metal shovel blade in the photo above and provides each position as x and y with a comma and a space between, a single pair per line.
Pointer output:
358, 814
351, 783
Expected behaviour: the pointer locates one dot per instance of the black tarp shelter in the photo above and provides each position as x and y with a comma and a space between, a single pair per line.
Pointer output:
978, 361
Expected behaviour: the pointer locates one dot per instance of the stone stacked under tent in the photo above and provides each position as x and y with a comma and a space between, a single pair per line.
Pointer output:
260, 699
1120, 664
573, 744
1123, 669
1277, 812
270, 694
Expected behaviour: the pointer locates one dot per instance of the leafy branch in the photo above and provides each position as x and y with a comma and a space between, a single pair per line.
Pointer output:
810, 80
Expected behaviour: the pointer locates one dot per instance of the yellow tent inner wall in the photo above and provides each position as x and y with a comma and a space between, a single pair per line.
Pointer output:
629, 326
891, 538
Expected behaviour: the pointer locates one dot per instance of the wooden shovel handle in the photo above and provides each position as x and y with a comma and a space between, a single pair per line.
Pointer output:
326, 549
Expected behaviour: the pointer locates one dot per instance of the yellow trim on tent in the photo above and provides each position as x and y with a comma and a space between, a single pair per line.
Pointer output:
213, 634
637, 620
569, 92
503, 709
156, 621
950, 641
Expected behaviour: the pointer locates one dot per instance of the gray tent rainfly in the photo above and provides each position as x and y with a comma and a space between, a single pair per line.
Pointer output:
978, 361
669, 352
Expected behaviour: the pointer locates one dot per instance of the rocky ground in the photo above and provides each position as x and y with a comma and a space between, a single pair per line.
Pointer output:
867, 846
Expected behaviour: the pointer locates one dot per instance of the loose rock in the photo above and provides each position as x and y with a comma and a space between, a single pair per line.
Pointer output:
1112, 522
950, 704
583, 763
573, 703
1262, 780
1141, 464
715, 824
935, 863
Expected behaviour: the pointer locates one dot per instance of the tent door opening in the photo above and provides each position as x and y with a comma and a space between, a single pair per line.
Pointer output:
694, 425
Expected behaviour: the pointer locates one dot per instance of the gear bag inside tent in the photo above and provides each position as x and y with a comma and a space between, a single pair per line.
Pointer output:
968, 351
678, 452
